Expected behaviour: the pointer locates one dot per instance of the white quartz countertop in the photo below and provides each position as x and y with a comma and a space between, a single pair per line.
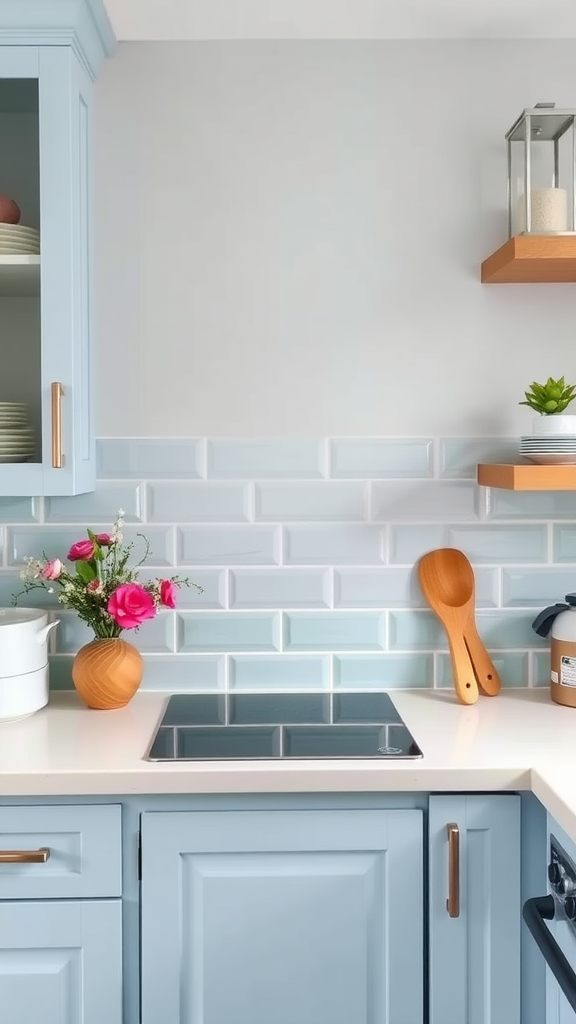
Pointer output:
518, 740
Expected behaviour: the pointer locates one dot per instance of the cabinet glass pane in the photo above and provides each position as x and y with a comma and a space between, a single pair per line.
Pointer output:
20, 362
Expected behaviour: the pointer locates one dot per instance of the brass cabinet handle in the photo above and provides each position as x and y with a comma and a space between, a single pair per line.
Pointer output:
453, 901
57, 393
25, 856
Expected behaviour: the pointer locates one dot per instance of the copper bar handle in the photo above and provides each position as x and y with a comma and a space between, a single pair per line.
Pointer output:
57, 392
25, 856
453, 901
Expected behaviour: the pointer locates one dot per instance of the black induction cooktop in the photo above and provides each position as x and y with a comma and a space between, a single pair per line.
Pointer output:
248, 726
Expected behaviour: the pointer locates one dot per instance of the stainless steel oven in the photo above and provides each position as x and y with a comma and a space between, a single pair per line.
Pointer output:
552, 921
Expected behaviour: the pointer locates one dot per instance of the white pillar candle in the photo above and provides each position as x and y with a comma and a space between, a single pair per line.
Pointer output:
549, 209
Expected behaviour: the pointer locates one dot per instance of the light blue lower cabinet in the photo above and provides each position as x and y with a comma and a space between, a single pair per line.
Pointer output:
283, 917
61, 962
474, 956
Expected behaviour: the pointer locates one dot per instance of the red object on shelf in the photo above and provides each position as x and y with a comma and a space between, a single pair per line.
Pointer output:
10, 212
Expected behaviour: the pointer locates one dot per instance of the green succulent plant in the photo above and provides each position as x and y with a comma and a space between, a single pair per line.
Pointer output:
551, 398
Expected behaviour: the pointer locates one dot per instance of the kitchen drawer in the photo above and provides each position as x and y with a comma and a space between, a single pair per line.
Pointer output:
85, 851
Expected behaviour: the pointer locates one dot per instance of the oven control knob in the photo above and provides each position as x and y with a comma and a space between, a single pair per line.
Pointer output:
554, 873
570, 907
567, 885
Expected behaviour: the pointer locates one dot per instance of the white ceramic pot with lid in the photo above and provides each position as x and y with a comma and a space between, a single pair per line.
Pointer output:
23, 661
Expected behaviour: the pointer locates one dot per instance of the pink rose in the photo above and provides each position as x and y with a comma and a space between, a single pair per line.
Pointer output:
82, 551
52, 570
130, 605
104, 539
168, 593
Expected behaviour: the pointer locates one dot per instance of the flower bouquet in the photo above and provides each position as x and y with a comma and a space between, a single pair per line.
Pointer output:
105, 592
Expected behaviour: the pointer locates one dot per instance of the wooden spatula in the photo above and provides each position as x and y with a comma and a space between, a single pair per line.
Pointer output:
447, 581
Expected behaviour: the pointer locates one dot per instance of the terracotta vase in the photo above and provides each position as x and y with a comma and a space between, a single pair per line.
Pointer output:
107, 673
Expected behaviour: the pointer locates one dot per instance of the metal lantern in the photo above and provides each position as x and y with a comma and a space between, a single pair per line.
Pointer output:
542, 172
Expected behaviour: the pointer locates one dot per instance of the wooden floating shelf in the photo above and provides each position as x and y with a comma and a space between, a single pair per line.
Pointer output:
527, 477
532, 259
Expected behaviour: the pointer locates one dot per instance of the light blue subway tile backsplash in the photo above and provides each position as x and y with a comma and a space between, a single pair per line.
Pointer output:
207, 501
173, 672
501, 630
415, 631
311, 500
501, 544
512, 667
164, 672
267, 459
155, 636
383, 457
20, 510
393, 587
334, 631
214, 592
100, 506
280, 588
408, 542
228, 631
459, 456
536, 588
279, 672
543, 505
481, 542
158, 458
377, 588
55, 542
306, 551
425, 500
363, 671
564, 543
228, 545
11, 585
540, 668
329, 544
70, 634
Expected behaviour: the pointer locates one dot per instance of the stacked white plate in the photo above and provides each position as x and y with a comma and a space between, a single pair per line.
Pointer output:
16, 240
17, 440
549, 449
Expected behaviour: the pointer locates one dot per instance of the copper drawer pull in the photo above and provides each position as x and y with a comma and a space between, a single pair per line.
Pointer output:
453, 901
25, 856
57, 392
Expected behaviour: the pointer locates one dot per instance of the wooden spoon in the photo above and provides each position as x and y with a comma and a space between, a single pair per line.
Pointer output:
455, 573
447, 591
486, 674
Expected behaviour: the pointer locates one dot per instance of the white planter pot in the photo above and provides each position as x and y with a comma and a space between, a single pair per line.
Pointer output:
561, 424
21, 696
23, 661
23, 641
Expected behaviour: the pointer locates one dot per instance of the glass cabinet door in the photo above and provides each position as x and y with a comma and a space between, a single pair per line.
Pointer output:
46, 435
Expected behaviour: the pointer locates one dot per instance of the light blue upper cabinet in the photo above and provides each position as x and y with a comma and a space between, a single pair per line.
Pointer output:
289, 916
474, 964
49, 55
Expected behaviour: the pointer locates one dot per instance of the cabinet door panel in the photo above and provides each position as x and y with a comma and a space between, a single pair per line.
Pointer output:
45, 316
475, 957
64, 209
284, 916
61, 962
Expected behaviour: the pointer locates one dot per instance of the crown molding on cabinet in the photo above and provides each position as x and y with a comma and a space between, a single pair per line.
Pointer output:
82, 24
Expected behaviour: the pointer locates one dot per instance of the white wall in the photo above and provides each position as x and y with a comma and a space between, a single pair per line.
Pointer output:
289, 237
